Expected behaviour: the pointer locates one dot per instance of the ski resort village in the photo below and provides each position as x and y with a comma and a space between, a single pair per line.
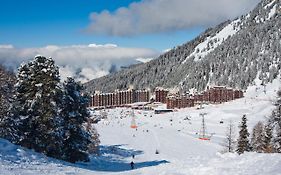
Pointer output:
162, 87
172, 98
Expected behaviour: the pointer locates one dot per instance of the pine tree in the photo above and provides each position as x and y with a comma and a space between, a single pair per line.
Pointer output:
7, 81
268, 135
74, 111
33, 121
93, 147
229, 142
275, 122
277, 139
243, 140
47, 118
258, 138
277, 119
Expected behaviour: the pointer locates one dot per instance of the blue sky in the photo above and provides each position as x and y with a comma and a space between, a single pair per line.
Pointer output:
155, 24
87, 37
37, 23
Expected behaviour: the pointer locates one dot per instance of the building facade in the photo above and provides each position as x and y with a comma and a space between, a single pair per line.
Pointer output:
161, 94
179, 101
119, 98
216, 94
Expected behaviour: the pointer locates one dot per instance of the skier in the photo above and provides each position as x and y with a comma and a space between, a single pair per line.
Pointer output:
132, 165
156, 152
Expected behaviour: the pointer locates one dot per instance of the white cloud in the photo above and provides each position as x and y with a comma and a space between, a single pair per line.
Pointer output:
7, 46
151, 16
84, 62
144, 60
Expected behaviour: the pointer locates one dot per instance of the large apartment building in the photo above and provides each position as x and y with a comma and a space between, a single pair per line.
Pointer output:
119, 98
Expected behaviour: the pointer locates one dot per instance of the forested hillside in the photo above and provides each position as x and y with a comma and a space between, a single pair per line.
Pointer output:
233, 53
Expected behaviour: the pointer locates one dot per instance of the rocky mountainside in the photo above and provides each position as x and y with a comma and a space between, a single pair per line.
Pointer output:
233, 53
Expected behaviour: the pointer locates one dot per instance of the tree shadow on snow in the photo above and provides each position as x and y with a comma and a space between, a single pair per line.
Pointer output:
113, 159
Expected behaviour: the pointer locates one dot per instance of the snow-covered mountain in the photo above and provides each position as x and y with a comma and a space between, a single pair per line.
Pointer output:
233, 53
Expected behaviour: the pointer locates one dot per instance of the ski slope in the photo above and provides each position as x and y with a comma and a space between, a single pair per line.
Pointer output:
173, 135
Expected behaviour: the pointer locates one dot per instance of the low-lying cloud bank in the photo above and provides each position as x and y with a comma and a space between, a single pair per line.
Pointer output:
83, 62
154, 16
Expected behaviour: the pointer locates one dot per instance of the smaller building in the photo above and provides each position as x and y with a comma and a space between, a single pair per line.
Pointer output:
218, 94
161, 94
162, 111
238, 94
179, 101
142, 96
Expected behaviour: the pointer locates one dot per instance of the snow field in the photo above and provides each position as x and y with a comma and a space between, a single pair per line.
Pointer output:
172, 134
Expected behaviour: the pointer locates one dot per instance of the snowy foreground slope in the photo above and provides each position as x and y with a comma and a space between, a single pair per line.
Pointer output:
174, 136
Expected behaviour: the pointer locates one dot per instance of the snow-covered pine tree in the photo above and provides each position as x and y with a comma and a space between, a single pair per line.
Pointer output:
7, 80
277, 130
14, 126
258, 138
275, 123
94, 146
229, 142
277, 120
268, 135
74, 111
243, 140
34, 121
277, 138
